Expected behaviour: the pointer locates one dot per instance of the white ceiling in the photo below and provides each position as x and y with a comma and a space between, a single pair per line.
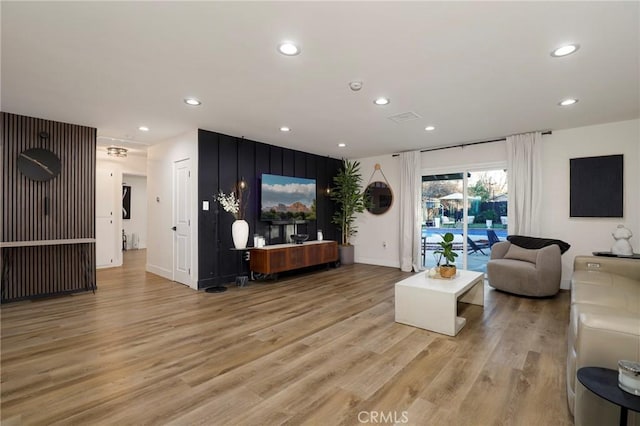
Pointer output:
474, 70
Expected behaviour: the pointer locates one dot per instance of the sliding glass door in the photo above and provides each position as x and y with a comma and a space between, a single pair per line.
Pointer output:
472, 205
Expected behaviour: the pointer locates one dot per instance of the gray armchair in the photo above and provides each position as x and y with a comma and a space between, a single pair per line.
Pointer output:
527, 272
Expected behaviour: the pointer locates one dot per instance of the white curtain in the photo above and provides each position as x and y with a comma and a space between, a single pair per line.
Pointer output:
524, 156
410, 222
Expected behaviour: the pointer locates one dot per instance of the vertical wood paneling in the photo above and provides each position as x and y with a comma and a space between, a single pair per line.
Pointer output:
45, 270
236, 158
288, 162
247, 171
48, 270
228, 177
275, 155
262, 162
300, 164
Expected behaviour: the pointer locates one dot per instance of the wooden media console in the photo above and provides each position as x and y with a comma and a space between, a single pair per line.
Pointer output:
285, 257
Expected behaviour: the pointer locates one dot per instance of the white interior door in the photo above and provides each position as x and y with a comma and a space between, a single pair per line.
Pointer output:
182, 222
105, 227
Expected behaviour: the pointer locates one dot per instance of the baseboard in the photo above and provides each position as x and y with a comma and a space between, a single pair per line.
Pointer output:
378, 262
164, 273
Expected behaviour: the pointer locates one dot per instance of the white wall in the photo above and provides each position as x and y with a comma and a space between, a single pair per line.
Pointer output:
584, 234
458, 159
589, 234
377, 240
135, 164
374, 231
138, 223
160, 162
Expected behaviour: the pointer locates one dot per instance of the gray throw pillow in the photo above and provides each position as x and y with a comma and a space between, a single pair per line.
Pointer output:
518, 253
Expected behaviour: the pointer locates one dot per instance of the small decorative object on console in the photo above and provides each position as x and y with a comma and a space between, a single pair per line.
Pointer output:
629, 376
299, 238
622, 246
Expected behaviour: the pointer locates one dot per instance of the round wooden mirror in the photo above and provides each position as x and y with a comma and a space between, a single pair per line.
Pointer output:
380, 197
39, 164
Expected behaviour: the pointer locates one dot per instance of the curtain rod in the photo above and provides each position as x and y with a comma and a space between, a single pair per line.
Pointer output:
548, 132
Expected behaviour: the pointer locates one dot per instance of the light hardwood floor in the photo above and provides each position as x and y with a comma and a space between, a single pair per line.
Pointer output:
318, 348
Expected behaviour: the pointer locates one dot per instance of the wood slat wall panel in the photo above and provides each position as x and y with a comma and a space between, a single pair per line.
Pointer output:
237, 158
36, 271
48, 270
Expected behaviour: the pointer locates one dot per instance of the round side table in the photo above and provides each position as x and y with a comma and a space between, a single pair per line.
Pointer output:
604, 383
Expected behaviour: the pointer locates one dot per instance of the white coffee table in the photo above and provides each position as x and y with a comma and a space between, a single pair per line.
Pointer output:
432, 303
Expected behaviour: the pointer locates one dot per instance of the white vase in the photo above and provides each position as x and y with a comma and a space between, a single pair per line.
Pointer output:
240, 233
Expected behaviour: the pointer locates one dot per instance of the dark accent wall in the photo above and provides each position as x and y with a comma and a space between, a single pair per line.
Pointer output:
222, 161
36, 212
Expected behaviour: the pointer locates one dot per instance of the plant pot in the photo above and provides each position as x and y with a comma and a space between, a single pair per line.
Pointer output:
346, 254
240, 233
447, 271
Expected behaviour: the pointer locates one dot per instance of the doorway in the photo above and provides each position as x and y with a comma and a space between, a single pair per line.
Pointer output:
134, 213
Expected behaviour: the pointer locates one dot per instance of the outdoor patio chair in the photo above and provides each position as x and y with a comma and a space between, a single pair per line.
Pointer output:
474, 247
493, 238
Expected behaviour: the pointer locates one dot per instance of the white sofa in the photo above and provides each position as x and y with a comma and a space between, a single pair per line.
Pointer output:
604, 327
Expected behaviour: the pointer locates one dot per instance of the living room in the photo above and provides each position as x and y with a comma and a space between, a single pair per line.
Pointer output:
320, 346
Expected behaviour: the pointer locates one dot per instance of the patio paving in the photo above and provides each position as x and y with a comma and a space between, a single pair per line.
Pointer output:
475, 261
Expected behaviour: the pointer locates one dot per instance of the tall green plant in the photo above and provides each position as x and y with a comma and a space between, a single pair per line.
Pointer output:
349, 197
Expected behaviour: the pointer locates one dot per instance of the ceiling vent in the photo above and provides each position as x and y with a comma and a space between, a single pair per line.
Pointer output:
404, 116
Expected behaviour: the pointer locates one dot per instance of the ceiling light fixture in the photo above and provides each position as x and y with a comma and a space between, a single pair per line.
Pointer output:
285, 129
429, 128
192, 102
342, 145
565, 50
567, 102
381, 101
143, 128
115, 151
288, 48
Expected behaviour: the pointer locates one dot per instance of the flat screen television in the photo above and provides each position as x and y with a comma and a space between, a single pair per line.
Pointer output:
287, 199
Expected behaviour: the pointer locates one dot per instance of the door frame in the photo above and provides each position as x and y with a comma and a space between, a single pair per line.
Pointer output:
464, 169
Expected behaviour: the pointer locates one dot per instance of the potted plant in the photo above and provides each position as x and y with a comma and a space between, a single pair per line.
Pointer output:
447, 270
350, 199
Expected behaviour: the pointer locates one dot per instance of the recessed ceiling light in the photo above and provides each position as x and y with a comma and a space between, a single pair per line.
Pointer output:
342, 145
568, 102
285, 129
143, 128
192, 101
288, 48
429, 128
565, 50
381, 101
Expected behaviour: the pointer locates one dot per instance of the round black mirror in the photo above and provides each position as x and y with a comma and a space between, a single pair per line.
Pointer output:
380, 197
39, 164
